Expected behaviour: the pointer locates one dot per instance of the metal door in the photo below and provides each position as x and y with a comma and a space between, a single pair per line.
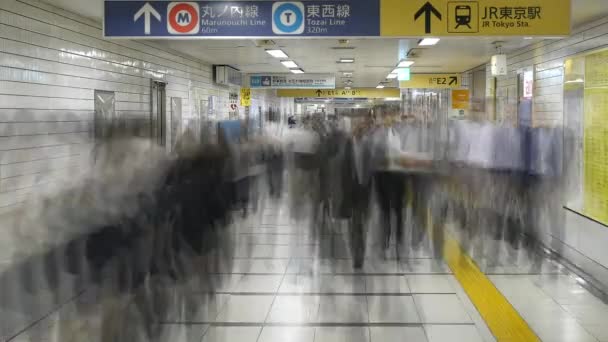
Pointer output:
158, 112
106, 121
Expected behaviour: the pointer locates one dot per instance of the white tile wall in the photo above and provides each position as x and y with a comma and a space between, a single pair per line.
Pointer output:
547, 58
51, 61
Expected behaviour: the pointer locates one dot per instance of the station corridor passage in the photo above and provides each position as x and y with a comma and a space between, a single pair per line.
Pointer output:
284, 283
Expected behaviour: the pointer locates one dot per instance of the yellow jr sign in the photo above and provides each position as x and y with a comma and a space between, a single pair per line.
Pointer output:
369, 93
475, 18
432, 81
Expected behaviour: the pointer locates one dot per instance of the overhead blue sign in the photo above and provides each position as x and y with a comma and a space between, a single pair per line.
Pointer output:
165, 19
293, 81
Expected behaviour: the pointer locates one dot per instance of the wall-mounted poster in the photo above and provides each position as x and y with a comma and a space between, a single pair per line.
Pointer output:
595, 173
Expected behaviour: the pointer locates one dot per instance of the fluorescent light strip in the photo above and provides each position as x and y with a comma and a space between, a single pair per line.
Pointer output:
391, 76
277, 53
297, 71
380, 86
289, 64
405, 64
428, 41
346, 60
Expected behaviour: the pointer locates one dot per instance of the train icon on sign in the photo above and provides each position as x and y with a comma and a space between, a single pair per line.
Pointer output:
463, 17
288, 18
183, 18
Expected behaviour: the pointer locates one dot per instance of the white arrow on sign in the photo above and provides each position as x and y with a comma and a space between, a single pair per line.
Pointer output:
146, 10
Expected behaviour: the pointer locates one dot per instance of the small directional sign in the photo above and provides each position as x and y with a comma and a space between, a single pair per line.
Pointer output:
422, 81
354, 93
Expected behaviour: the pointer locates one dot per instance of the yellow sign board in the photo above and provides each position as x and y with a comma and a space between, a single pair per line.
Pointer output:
245, 97
475, 18
460, 99
432, 81
595, 188
370, 93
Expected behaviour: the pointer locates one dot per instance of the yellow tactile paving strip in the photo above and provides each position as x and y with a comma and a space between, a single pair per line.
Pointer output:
504, 321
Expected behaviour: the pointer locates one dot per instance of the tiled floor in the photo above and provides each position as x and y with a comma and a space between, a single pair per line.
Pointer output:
283, 286
552, 301
286, 284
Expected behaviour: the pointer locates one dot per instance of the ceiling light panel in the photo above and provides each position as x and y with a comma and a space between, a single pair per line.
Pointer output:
277, 53
346, 60
289, 64
428, 41
297, 71
391, 76
405, 64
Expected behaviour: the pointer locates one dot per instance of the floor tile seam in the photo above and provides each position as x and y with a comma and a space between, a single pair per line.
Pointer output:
313, 324
335, 258
335, 273
369, 330
331, 294
578, 321
522, 274
274, 298
55, 310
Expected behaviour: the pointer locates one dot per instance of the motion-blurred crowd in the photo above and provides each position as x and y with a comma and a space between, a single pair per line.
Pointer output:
143, 221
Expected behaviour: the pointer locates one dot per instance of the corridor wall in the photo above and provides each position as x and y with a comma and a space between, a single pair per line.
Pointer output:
583, 241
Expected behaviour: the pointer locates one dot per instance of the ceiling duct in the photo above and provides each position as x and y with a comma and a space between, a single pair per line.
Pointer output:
264, 43
227, 75
413, 53
342, 48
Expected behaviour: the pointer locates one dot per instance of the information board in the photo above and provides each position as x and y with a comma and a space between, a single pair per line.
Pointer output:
595, 173
475, 18
246, 97
461, 99
335, 18
293, 81
241, 18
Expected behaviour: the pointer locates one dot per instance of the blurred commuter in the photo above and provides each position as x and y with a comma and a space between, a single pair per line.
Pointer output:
357, 177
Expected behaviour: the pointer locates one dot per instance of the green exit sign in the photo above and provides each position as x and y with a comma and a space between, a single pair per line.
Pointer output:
403, 74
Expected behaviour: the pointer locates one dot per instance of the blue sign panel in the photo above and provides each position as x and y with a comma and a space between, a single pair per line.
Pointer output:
293, 81
165, 19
